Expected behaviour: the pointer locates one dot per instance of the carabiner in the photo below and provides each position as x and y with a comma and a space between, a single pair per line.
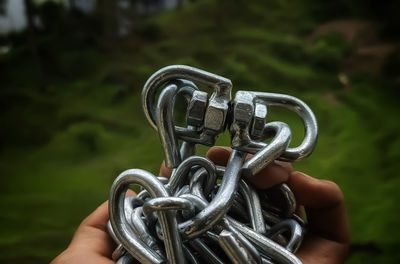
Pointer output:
124, 232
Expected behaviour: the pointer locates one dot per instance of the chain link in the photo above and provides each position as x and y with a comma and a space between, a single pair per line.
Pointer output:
206, 213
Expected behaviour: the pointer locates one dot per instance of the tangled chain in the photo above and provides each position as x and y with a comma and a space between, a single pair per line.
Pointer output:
206, 213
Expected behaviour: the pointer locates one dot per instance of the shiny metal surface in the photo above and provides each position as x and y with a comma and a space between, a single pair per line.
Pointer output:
307, 116
196, 110
206, 213
235, 250
166, 128
258, 122
205, 252
222, 86
126, 259
267, 152
266, 245
142, 231
222, 201
253, 205
124, 232
180, 174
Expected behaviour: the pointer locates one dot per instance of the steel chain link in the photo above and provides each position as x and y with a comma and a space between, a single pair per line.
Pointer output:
206, 213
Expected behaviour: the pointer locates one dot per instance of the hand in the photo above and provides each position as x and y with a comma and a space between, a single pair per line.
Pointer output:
328, 237
91, 242
327, 241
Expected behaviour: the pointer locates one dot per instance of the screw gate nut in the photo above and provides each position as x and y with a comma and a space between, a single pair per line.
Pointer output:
257, 128
216, 114
243, 109
196, 109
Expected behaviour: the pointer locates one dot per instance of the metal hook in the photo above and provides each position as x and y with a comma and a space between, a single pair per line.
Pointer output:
307, 116
165, 124
221, 203
124, 232
222, 86
166, 127
216, 108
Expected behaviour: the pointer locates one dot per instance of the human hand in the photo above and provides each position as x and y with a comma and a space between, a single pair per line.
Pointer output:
328, 237
91, 242
327, 241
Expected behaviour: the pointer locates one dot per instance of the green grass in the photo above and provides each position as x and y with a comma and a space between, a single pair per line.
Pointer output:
63, 148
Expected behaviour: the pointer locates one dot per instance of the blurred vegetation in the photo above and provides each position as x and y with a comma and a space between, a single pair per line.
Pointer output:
62, 146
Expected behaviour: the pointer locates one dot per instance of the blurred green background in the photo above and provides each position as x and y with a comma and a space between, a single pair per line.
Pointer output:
71, 117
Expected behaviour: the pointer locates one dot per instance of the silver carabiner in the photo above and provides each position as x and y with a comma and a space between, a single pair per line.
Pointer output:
243, 111
165, 124
124, 232
268, 152
217, 108
166, 127
222, 86
307, 116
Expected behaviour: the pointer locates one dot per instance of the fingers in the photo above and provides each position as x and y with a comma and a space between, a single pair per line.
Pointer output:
219, 155
92, 233
92, 236
98, 219
329, 234
324, 205
319, 250
270, 176
322, 200
164, 171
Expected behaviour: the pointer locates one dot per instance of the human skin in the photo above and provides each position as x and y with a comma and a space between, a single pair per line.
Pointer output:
326, 242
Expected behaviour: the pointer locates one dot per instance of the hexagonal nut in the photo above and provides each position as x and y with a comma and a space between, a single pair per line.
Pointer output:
243, 108
242, 114
257, 127
216, 112
196, 108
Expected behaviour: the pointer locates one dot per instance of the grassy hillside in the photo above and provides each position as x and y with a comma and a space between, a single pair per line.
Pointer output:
61, 149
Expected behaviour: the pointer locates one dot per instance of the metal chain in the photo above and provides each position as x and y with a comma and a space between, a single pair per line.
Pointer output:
206, 213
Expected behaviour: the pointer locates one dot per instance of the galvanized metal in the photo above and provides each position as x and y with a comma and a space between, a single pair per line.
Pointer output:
206, 213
